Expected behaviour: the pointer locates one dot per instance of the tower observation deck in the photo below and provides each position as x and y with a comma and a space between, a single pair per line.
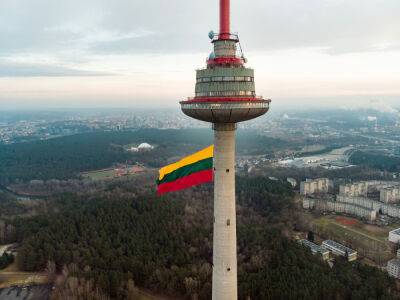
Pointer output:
225, 95
225, 89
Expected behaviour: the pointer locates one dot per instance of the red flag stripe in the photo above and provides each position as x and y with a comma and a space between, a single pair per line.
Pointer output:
186, 182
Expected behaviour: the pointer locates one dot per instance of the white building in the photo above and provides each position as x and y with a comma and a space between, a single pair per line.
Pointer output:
393, 268
394, 236
316, 186
339, 249
145, 147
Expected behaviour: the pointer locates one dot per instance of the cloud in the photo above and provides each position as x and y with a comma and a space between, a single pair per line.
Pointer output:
112, 27
13, 69
301, 48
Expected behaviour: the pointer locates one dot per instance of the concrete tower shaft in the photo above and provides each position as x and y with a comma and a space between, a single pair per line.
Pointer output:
224, 280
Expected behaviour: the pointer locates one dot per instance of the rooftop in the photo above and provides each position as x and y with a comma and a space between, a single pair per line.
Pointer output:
313, 246
394, 261
338, 246
395, 231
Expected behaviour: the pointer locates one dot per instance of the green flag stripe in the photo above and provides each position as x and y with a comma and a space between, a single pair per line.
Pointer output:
198, 166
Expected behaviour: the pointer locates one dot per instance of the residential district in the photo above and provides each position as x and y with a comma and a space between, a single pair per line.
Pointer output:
376, 205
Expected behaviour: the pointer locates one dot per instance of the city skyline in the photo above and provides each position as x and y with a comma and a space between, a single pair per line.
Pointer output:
137, 54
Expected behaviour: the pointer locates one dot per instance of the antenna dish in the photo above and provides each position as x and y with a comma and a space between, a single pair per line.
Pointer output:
211, 34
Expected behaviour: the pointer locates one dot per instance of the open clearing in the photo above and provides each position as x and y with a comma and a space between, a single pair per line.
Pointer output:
371, 241
8, 279
11, 276
111, 173
352, 226
100, 174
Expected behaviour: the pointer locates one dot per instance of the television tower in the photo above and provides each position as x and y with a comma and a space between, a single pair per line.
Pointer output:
225, 95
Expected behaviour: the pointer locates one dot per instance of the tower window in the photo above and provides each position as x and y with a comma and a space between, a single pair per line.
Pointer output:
227, 170
228, 222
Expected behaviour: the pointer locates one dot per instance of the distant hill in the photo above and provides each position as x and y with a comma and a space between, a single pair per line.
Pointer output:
66, 157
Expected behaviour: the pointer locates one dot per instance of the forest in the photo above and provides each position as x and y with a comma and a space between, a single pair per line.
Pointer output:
112, 242
9, 207
377, 161
66, 157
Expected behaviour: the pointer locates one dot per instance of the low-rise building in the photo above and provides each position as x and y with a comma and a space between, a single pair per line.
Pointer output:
394, 236
316, 249
339, 249
393, 268
316, 186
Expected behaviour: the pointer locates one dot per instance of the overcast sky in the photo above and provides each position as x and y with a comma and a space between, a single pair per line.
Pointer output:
138, 53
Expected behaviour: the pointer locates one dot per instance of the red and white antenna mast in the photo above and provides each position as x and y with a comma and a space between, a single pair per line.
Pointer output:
224, 20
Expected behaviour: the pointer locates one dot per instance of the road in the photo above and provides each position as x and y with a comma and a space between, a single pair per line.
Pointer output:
36, 292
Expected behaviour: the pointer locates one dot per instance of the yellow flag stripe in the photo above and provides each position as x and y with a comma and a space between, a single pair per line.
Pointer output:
202, 154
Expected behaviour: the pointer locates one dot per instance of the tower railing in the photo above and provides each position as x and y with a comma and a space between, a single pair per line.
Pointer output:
229, 36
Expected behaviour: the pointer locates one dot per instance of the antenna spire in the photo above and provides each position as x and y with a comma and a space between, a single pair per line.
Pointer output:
224, 19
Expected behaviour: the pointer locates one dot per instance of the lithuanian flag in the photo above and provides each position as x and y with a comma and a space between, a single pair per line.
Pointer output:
192, 170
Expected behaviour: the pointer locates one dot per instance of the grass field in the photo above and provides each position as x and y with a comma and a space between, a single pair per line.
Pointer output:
100, 174
111, 173
352, 226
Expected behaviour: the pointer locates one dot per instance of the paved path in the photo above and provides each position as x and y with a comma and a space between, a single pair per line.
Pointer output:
37, 292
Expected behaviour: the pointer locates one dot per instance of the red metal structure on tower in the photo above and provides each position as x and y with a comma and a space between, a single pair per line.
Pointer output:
224, 20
